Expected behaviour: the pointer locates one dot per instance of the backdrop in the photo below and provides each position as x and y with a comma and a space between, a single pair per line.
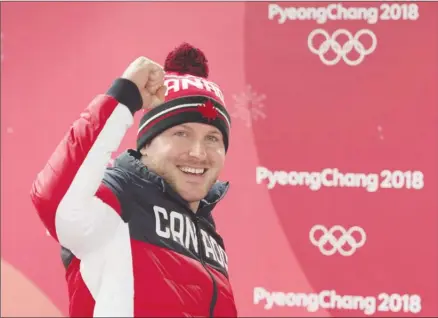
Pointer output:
333, 161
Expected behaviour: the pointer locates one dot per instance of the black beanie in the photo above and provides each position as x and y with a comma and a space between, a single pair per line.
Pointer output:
190, 97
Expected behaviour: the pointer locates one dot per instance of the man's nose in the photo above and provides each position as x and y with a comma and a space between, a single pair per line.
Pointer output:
197, 150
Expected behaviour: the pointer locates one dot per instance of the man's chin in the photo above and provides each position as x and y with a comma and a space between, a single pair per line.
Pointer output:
192, 192
192, 196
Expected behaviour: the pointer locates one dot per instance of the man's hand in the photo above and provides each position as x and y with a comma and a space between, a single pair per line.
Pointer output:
149, 78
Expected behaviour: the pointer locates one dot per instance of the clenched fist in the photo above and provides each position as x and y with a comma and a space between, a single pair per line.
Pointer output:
149, 78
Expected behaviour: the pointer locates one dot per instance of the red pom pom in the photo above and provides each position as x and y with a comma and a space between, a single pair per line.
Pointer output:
186, 59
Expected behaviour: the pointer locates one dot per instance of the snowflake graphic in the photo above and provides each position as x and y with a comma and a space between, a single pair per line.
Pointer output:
248, 106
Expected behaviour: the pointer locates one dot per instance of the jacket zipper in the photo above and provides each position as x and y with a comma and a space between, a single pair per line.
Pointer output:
201, 253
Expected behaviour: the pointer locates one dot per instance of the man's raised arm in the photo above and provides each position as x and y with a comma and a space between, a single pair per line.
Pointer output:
75, 206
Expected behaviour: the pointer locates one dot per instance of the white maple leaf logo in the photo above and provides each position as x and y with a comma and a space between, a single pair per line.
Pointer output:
248, 106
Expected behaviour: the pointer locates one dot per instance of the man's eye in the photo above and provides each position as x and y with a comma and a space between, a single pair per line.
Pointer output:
180, 133
213, 138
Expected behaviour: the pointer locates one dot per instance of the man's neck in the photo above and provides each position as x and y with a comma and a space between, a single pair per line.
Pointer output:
194, 206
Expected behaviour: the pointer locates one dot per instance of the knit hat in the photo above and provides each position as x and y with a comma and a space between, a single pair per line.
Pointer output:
190, 97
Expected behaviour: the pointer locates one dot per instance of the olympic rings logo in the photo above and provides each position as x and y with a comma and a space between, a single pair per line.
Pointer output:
337, 244
353, 42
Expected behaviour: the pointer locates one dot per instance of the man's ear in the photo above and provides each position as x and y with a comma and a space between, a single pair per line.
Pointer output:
143, 150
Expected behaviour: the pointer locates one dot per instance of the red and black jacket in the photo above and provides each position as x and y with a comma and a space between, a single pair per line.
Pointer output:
138, 248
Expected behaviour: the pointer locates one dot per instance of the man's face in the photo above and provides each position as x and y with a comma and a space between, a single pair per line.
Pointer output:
189, 157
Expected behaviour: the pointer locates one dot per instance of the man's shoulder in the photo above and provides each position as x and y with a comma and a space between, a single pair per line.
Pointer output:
115, 177
122, 180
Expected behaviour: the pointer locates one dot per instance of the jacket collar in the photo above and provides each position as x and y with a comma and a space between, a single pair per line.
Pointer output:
130, 161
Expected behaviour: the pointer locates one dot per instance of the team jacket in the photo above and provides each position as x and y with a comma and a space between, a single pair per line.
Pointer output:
134, 247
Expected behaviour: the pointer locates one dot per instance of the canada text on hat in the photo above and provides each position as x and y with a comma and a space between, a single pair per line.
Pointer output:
181, 85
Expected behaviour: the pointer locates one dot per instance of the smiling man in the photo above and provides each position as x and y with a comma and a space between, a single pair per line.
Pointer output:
139, 238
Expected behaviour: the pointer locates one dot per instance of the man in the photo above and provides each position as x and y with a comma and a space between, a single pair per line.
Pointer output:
139, 237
